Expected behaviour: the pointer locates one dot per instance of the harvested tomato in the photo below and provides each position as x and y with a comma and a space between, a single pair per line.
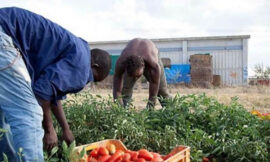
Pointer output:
155, 154
103, 151
111, 148
126, 157
94, 153
104, 158
102, 154
157, 159
134, 155
143, 153
140, 160
116, 156
91, 159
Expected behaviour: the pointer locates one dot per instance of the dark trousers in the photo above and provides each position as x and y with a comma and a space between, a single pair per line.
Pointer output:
129, 83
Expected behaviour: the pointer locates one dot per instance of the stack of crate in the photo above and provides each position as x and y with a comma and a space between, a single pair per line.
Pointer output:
201, 70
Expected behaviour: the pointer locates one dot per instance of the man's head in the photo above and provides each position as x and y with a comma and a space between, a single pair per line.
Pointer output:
100, 63
135, 66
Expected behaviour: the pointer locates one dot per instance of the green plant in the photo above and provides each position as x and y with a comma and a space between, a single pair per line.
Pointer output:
214, 130
64, 154
220, 132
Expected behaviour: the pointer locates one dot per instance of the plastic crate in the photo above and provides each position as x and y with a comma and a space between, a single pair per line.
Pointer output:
180, 153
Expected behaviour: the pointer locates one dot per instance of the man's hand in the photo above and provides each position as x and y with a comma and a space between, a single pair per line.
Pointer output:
151, 103
61, 118
118, 80
153, 86
50, 139
68, 136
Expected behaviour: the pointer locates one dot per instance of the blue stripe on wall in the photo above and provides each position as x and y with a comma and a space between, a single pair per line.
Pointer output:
214, 48
178, 49
172, 49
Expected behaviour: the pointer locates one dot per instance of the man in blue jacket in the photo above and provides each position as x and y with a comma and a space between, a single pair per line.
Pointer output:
40, 62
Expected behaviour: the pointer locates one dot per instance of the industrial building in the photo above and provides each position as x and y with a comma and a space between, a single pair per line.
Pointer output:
229, 53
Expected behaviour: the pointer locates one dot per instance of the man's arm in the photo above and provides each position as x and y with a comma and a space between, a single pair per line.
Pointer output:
118, 80
61, 118
50, 137
153, 85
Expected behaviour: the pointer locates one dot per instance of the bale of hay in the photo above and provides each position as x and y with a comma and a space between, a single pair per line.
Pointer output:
201, 60
216, 80
201, 74
201, 70
202, 84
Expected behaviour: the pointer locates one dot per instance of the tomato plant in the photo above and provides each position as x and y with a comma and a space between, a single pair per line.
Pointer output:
213, 130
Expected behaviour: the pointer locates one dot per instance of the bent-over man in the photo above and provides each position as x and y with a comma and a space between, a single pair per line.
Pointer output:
140, 57
40, 62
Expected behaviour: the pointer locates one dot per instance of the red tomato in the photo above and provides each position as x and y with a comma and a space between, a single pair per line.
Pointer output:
120, 158
143, 153
116, 156
104, 158
91, 159
126, 157
155, 154
94, 153
157, 159
134, 155
103, 151
141, 160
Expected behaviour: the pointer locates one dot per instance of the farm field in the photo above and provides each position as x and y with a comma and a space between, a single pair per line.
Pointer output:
212, 122
257, 97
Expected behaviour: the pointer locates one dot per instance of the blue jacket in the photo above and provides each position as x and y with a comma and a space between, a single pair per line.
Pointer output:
58, 62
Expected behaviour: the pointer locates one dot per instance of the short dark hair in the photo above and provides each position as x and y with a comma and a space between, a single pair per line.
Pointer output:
103, 60
133, 63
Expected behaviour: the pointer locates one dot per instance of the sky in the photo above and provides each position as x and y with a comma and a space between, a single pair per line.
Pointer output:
104, 20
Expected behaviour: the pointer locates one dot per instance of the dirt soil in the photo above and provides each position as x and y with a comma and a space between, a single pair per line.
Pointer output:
257, 97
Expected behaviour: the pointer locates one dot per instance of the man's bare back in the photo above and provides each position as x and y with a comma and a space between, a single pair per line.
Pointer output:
140, 57
143, 48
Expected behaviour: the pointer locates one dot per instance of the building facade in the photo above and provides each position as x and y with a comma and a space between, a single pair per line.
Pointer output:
229, 53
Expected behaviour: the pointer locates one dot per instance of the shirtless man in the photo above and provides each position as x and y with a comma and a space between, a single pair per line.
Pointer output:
140, 57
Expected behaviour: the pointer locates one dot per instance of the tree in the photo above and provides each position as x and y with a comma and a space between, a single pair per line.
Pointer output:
262, 72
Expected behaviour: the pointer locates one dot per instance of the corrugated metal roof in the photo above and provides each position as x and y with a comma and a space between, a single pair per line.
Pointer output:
178, 39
